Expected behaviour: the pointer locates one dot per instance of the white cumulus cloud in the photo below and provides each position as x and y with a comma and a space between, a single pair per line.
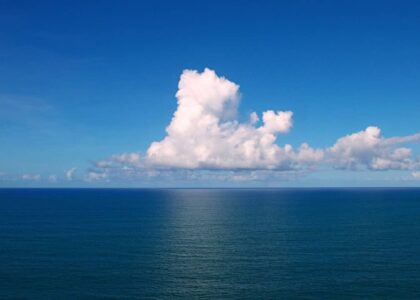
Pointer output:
368, 149
205, 140
205, 134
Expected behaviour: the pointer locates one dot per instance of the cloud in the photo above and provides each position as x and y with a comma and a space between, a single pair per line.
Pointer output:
416, 174
205, 134
206, 141
30, 177
95, 176
12, 106
27, 111
70, 173
368, 149
129, 158
52, 178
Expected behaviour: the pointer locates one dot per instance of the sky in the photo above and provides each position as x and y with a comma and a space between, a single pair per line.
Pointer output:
209, 94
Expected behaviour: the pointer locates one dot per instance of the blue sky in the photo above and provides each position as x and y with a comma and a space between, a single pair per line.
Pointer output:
83, 81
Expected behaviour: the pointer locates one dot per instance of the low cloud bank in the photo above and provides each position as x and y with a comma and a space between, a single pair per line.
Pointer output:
205, 137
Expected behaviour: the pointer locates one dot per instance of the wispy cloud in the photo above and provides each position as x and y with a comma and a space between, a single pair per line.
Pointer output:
31, 177
21, 108
69, 174
52, 178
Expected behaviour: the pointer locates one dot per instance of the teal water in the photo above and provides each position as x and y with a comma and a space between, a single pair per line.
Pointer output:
210, 244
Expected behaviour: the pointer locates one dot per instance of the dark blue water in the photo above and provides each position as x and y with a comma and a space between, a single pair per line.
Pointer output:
216, 244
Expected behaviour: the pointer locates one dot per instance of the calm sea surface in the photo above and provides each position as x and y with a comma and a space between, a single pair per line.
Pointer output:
210, 244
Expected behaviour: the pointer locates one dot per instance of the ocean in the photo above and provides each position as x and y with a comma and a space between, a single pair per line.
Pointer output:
210, 243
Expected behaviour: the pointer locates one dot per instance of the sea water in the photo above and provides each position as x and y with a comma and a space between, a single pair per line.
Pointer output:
209, 243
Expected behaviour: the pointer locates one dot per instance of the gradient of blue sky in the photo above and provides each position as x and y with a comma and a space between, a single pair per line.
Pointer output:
82, 80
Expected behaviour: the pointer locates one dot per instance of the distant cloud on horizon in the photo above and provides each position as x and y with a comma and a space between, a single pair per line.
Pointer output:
70, 174
31, 177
